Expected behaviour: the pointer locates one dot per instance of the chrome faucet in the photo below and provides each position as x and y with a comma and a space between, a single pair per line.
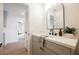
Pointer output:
51, 32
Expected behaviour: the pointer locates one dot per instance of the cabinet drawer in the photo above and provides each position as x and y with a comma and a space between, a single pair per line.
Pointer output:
56, 48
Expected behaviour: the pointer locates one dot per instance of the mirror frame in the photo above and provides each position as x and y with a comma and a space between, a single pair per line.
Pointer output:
63, 18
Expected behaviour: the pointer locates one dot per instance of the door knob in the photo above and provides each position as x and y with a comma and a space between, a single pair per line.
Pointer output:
26, 32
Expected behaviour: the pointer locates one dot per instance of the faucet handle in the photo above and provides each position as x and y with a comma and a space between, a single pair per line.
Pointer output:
55, 34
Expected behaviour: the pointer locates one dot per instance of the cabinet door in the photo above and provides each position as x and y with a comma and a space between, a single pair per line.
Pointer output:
57, 49
35, 46
44, 50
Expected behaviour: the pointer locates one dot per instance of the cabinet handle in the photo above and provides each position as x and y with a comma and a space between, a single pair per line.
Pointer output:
43, 43
41, 48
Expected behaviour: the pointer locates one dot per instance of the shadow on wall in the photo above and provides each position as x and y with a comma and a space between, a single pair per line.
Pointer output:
0, 44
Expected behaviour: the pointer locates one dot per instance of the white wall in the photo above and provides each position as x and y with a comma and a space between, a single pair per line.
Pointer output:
11, 28
1, 22
72, 14
36, 18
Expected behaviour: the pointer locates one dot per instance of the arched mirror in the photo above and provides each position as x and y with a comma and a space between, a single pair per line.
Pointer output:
55, 16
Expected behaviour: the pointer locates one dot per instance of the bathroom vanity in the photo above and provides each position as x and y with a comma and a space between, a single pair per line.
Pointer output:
53, 45
50, 44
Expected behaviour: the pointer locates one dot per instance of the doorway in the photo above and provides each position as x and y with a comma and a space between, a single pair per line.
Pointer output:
15, 23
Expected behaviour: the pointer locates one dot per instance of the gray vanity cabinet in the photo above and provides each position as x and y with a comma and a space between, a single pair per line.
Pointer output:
49, 48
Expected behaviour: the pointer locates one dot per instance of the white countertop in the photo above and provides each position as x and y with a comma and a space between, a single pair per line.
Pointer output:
67, 42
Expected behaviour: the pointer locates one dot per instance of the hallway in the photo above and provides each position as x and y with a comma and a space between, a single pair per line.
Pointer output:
13, 49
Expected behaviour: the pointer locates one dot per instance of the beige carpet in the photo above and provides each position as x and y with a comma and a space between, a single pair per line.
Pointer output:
13, 49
